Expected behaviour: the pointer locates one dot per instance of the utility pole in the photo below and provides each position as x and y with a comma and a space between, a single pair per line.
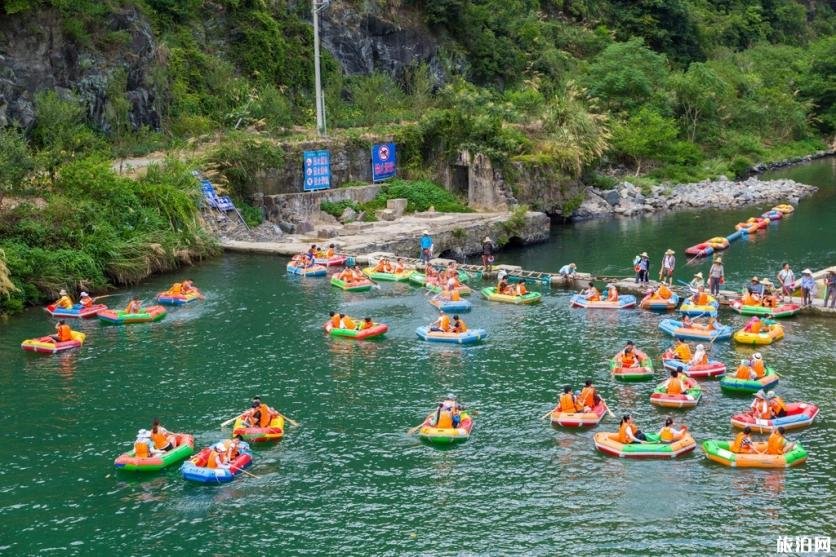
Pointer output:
320, 101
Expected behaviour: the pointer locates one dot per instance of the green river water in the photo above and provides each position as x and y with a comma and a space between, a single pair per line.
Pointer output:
349, 480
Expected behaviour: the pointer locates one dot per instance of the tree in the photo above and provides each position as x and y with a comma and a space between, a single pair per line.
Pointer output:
701, 96
60, 132
646, 135
15, 162
626, 75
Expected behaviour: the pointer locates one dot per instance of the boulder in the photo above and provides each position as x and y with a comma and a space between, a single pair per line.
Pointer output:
397, 205
611, 196
348, 215
593, 206
386, 214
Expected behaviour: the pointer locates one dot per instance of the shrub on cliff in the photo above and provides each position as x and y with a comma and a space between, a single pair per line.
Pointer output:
420, 196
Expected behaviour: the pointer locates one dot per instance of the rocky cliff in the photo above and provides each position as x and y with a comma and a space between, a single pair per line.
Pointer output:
39, 51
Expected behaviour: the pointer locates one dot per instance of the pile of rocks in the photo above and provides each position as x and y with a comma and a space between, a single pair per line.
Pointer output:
627, 200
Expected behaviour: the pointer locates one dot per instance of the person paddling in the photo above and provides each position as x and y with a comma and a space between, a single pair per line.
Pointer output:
669, 433
63, 333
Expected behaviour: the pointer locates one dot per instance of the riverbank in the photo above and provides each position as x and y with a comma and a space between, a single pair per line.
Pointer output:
454, 234
628, 200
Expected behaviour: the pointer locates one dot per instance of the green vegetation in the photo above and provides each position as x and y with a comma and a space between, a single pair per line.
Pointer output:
420, 196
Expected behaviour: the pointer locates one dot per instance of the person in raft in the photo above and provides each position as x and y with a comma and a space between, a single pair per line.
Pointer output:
187, 286
459, 326
808, 287
786, 278
447, 414
366, 323
64, 301
674, 384
400, 267
143, 444
442, 324
700, 298
662, 291
588, 398
700, 357
567, 402
777, 443
612, 293
63, 333
627, 357
488, 248
754, 325
716, 276
591, 293
629, 432
681, 350
426, 247
745, 372
777, 406
757, 364
259, 414
668, 265
568, 271
669, 433
85, 300
162, 440
755, 288
347, 322
760, 406
502, 287
742, 442
520, 289
697, 282
768, 298
134, 306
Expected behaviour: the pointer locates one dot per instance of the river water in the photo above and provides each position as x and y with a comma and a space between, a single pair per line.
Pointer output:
350, 480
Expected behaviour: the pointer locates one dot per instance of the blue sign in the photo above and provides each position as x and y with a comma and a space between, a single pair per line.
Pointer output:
316, 170
384, 161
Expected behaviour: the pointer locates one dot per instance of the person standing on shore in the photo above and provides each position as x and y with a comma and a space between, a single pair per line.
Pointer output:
830, 289
716, 276
426, 247
808, 287
786, 278
641, 264
488, 248
668, 265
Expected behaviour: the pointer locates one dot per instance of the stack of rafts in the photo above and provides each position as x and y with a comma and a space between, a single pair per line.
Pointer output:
750, 226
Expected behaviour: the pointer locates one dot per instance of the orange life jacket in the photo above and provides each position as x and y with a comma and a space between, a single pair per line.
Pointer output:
87, 301
160, 439
737, 445
141, 449
133, 307
775, 443
628, 359
761, 409
462, 327
593, 295
329, 253
776, 405
380, 267
176, 289
266, 416
348, 323
445, 420
444, 323
664, 292
335, 321
214, 460
700, 299
674, 386
454, 295
667, 435
622, 436
612, 295
743, 372
567, 403
64, 333
755, 327
683, 352
521, 290
760, 369
366, 325
587, 397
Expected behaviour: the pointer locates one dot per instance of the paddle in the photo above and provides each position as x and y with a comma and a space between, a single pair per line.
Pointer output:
549, 413
105, 296
244, 471
607, 406
294, 423
229, 421
412, 430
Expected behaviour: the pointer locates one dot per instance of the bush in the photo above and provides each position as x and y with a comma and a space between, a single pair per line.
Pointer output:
336, 208
420, 196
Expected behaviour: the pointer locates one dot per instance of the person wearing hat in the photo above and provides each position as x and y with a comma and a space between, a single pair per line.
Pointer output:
808, 287
777, 406
716, 276
142, 445
786, 278
830, 289
642, 265
668, 264
85, 300
488, 247
744, 371
760, 406
768, 299
64, 301
568, 271
426, 247
757, 365
700, 356
697, 282
755, 288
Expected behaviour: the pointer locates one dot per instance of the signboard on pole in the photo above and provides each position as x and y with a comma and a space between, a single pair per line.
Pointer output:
316, 170
384, 161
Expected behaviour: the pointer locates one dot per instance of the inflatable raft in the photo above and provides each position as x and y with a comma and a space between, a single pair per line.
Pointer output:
354, 286
719, 243
774, 331
655, 303
799, 415
653, 448
784, 208
772, 215
718, 451
625, 301
310, 271
489, 293
675, 329
333, 261
689, 399
420, 279
194, 470
631, 374
579, 419
119, 317
48, 345
752, 224
178, 299
183, 448
698, 371
389, 277
471, 336
733, 385
273, 432
446, 436
451, 306
784, 310
76, 311
706, 310
376, 330
463, 289
703, 249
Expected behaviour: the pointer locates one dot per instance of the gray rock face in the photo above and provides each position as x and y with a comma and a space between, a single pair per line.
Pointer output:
35, 55
348, 215
611, 196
